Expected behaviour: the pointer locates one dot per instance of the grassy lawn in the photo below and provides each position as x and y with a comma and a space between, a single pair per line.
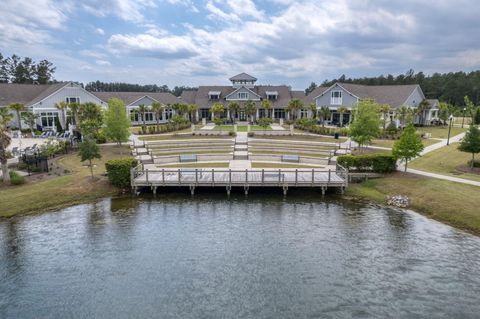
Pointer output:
441, 131
138, 129
389, 143
307, 138
241, 128
444, 161
288, 153
197, 165
449, 202
179, 137
225, 151
281, 165
56, 192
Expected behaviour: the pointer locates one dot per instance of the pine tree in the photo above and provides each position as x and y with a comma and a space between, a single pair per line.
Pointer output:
408, 146
471, 143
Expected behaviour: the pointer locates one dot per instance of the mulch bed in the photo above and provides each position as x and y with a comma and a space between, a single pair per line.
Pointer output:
468, 169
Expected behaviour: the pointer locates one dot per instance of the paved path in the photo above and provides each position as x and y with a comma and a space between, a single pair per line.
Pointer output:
277, 127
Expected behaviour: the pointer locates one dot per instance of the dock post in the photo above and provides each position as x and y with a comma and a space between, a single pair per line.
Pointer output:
324, 189
285, 189
192, 189
229, 188
246, 189
154, 189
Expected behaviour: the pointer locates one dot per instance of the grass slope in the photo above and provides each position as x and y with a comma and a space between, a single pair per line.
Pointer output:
449, 202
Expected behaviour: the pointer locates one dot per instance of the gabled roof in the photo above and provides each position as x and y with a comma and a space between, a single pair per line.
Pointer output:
243, 77
27, 94
393, 95
130, 97
242, 87
434, 103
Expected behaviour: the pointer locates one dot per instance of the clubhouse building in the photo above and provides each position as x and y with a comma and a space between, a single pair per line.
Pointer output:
340, 98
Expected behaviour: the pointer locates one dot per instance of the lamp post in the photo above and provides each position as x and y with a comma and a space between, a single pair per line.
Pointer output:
463, 119
449, 129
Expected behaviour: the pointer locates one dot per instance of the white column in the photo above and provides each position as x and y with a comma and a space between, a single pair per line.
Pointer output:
228, 114
257, 114
196, 115
213, 116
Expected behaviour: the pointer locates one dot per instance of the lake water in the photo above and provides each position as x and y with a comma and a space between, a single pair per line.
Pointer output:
260, 256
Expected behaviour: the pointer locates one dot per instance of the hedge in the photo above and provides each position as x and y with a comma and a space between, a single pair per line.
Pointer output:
118, 171
378, 163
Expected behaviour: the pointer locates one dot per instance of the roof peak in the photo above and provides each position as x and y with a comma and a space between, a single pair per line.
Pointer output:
243, 77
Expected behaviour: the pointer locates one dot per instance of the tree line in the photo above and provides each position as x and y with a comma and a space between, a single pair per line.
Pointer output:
98, 86
16, 69
449, 87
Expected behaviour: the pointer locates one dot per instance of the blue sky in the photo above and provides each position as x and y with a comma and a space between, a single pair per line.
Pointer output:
186, 42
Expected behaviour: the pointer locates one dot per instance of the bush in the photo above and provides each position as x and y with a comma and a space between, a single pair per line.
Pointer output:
377, 163
16, 179
476, 163
118, 171
251, 134
232, 133
100, 137
343, 131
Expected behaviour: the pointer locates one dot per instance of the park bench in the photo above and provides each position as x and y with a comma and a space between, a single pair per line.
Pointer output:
291, 158
187, 158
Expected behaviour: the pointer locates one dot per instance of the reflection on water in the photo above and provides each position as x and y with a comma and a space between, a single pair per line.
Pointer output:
262, 256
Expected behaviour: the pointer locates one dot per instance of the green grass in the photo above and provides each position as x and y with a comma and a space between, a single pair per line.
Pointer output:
449, 202
241, 128
289, 153
307, 138
225, 151
180, 137
389, 143
197, 165
441, 131
138, 129
61, 191
444, 161
281, 165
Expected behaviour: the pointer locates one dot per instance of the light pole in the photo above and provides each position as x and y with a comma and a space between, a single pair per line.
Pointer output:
463, 120
449, 129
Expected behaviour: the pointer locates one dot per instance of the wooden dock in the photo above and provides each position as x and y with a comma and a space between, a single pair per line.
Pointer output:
228, 178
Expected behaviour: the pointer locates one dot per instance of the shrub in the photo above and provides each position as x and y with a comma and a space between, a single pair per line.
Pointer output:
343, 131
232, 133
118, 171
476, 163
100, 137
391, 130
378, 163
251, 134
16, 179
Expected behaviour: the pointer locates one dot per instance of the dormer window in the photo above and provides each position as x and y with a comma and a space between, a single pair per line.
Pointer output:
271, 95
214, 95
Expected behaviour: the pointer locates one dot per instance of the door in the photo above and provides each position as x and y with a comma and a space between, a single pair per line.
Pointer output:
242, 116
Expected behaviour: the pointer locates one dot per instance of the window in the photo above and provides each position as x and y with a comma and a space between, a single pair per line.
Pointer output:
134, 116
279, 113
214, 97
242, 95
336, 98
48, 118
204, 113
72, 100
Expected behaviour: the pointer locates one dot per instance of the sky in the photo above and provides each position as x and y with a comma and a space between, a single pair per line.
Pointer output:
187, 42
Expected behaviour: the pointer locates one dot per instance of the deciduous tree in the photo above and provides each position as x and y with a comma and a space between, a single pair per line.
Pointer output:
117, 123
471, 143
408, 146
366, 123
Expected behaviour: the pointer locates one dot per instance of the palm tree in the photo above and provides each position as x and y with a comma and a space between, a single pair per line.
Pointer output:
217, 109
142, 109
158, 109
402, 114
293, 106
267, 105
30, 118
342, 110
192, 110
313, 110
422, 107
62, 107
250, 109
324, 113
18, 107
233, 107
384, 110
5, 118
75, 109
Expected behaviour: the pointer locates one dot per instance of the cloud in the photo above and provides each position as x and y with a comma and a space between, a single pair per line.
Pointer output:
127, 10
103, 62
147, 45
30, 21
99, 31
